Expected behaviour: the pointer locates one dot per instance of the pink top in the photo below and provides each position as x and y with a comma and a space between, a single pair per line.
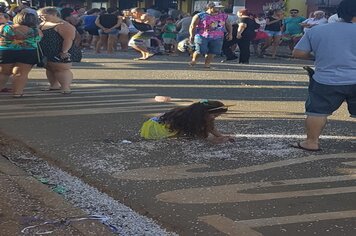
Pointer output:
211, 26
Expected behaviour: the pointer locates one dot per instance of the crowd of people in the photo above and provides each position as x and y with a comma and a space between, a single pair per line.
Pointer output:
54, 37
213, 31
46, 36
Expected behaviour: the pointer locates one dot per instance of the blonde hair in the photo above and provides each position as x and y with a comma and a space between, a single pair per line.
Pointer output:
26, 18
50, 11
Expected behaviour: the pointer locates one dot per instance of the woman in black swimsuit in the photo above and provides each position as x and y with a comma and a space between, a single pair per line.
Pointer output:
59, 48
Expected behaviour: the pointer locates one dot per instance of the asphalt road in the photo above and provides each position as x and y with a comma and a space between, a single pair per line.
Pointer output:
258, 185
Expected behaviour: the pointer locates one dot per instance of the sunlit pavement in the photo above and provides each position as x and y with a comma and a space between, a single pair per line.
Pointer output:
257, 185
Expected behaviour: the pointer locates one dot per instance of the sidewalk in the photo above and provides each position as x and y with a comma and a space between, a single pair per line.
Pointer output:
25, 202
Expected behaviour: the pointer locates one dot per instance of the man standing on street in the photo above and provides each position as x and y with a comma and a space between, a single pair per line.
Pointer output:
334, 80
292, 28
207, 32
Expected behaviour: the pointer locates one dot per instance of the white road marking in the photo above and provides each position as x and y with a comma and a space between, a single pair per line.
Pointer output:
244, 227
290, 136
186, 171
232, 192
86, 111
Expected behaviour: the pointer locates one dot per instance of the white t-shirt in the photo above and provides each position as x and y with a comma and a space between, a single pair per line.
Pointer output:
314, 22
334, 18
262, 23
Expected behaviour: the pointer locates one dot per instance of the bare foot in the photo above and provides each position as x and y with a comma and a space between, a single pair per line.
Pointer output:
192, 63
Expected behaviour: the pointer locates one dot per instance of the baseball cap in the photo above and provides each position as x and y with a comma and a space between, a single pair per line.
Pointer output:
214, 4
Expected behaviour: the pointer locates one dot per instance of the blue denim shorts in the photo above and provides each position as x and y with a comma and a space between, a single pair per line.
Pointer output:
112, 32
273, 33
324, 99
208, 45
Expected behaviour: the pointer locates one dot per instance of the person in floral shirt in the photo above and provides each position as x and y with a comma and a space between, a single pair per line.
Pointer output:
18, 51
207, 32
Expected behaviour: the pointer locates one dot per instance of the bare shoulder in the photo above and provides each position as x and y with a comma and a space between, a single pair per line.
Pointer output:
65, 26
66, 30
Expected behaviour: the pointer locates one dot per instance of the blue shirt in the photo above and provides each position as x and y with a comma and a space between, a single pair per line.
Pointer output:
335, 52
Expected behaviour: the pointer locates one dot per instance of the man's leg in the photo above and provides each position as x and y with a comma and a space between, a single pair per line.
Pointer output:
314, 125
208, 59
195, 57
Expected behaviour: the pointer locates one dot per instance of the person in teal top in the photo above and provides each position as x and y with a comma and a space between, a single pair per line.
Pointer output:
293, 31
18, 51
169, 36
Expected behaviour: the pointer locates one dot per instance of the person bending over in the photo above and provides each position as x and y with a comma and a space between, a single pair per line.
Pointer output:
196, 120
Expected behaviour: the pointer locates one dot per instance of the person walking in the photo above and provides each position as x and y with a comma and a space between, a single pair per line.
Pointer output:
207, 32
18, 51
334, 80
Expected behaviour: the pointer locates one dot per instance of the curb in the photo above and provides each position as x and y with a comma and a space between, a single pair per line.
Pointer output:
24, 195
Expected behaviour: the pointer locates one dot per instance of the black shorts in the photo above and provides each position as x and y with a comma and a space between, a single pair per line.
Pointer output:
94, 32
19, 56
323, 99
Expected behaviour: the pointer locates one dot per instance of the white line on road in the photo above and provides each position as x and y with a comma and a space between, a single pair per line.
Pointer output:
244, 227
290, 136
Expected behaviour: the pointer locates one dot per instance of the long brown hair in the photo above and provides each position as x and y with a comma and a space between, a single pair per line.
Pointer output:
194, 120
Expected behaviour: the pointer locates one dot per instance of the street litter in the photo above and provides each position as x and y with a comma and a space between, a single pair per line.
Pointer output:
64, 222
163, 99
55, 188
126, 141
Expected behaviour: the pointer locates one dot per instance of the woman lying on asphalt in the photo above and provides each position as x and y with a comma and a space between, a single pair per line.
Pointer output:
196, 120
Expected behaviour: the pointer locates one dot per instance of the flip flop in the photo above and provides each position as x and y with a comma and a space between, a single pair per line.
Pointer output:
299, 146
150, 55
66, 92
192, 63
50, 89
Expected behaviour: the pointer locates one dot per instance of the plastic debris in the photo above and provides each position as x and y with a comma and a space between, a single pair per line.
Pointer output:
59, 189
43, 180
163, 99
126, 141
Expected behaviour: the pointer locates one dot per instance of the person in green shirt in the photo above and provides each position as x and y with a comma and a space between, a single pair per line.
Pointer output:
169, 36
292, 29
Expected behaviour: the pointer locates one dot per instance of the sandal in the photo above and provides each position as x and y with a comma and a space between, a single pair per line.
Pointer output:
65, 92
17, 95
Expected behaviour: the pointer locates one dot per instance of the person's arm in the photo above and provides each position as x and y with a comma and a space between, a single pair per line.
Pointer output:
164, 29
305, 24
192, 28
301, 54
269, 22
67, 32
303, 48
118, 24
97, 22
179, 24
219, 137
241, 27
283, 28
228, 27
